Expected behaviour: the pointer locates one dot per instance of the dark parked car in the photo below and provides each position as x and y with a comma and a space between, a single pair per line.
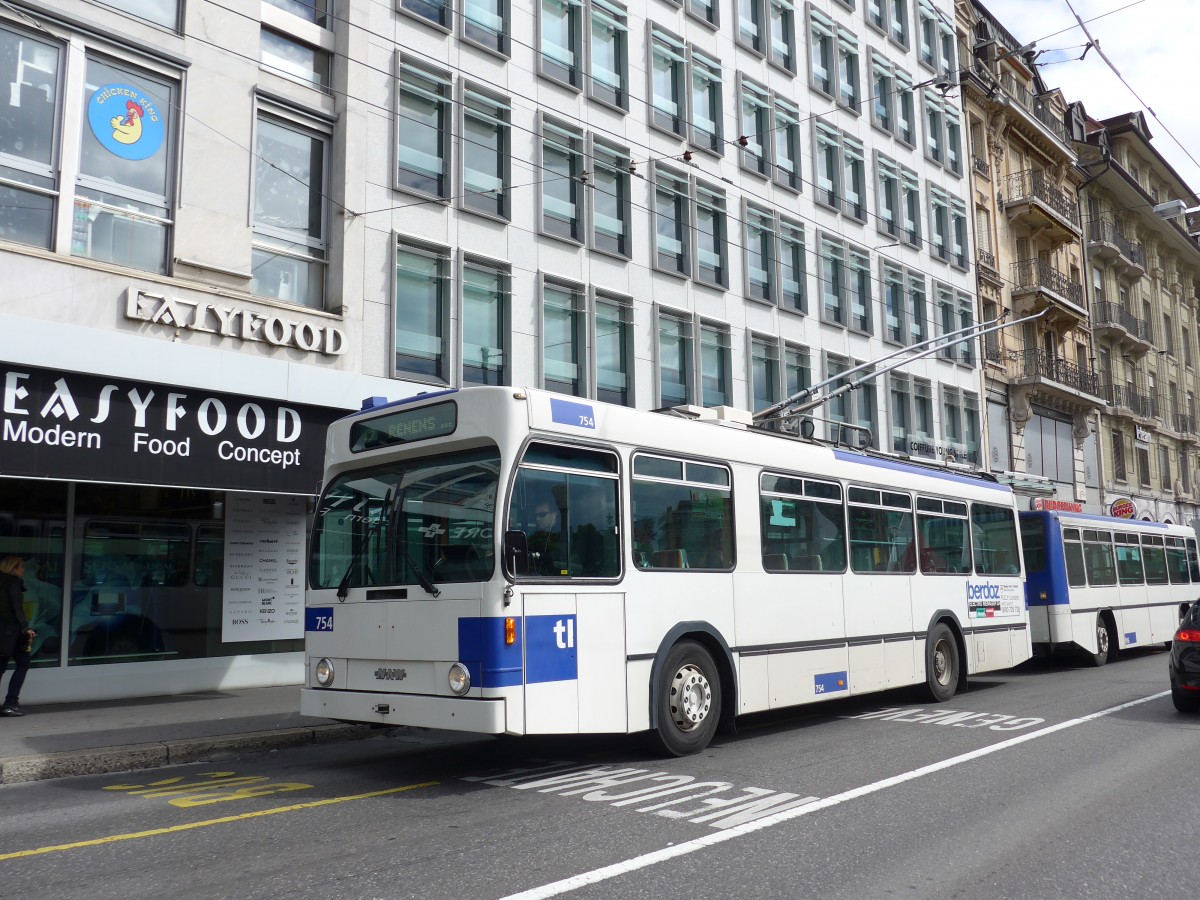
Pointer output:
1185, 662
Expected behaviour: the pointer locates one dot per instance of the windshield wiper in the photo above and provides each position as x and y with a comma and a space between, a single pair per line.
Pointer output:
408, 560
421, 577
344, 585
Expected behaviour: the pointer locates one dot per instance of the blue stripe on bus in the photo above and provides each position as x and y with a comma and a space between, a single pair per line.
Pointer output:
844, 456
481, 648
549, 650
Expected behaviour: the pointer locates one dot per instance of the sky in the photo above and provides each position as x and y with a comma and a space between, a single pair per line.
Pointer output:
1152, 43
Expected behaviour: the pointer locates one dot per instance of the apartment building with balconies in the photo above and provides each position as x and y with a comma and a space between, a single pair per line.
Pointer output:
1041, 387
1144, 277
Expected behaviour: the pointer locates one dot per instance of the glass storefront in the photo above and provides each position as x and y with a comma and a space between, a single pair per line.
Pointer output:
121, 573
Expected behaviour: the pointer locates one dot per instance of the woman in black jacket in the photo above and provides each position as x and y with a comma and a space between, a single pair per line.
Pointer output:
16, 637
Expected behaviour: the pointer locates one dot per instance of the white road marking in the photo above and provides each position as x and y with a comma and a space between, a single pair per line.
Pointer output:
640, 862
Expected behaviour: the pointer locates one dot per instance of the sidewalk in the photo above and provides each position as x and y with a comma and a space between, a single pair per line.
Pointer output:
57, 740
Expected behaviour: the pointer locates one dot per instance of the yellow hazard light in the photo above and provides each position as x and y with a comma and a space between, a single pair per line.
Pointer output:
510, 631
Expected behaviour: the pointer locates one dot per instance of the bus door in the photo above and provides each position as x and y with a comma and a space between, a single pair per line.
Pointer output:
1132, 615
878, 598
574, 662
564, 501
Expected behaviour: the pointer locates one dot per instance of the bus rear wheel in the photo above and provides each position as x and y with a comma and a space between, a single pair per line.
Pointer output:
1103, 643
689, 700
942, 664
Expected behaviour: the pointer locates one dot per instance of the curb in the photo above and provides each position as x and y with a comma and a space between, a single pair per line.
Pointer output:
130, 757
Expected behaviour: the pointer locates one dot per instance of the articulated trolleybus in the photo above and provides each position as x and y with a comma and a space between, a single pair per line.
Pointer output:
1101, 585
511, 561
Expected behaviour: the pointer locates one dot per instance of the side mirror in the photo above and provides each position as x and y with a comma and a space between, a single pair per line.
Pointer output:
516, 551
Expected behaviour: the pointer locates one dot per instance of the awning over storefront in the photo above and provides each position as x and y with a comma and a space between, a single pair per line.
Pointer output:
82, 427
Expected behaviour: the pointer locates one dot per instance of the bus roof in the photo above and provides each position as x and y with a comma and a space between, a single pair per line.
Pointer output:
698, 433
1086, 519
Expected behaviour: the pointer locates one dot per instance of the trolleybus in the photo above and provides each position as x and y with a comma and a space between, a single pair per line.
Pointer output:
1098, 585
512, 561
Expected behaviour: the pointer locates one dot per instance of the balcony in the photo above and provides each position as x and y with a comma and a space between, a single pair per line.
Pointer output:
1044, 286
1036, 109
980, 165
1124, 400
1114, 321
1184, 423
1107, 242
1030, 199
1040, 367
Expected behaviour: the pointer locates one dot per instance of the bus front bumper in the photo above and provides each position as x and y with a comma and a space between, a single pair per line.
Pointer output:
450, 713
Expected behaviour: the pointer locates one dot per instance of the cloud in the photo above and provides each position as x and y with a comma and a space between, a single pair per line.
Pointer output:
1152, 44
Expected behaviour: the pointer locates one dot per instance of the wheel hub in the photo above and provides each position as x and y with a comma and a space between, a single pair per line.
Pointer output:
941, 663
691, 697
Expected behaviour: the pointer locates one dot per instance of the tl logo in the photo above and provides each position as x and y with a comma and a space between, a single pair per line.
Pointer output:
564, 634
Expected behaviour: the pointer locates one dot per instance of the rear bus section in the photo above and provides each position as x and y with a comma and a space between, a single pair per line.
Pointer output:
1098, 585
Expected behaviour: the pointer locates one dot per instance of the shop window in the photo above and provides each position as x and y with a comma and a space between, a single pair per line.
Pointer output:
33, 516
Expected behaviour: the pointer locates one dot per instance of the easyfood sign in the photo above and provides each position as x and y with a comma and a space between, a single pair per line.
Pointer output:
73, 426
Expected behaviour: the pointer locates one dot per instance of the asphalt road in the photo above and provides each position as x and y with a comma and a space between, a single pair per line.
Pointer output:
1047, 781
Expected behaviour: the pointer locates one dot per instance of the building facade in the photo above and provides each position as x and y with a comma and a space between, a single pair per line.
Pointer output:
1144, 270
1041, 386
174, 338
224, 224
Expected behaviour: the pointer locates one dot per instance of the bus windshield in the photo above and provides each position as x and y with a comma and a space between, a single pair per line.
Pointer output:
427, 519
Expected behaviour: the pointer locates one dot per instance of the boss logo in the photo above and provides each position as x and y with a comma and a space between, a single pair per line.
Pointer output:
390, 674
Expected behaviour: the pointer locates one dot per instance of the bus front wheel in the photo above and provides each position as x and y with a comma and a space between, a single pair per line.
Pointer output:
941, 663
689, 700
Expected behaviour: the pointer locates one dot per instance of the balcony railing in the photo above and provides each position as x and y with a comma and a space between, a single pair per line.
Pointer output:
986, 258
1034, 274
1184, 423
1040, 364
980, 165
1109, 313
1125, 396
1030, 185
1109, 233
1036, 108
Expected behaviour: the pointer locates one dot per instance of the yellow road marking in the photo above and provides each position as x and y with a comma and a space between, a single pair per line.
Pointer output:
113, 838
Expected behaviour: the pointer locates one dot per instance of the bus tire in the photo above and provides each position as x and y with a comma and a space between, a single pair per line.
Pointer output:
689, 700
942, 663
1104, 642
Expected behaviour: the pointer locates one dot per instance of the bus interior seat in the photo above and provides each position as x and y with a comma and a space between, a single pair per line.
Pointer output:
669, 559
775, 562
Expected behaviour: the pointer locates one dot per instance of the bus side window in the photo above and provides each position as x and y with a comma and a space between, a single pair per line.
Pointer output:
1154, 559
1076, 573
881, 538
994, 540
1098, 558
682, 514
1193, 561
1033, 542
567, 506
802, 525
1129, 559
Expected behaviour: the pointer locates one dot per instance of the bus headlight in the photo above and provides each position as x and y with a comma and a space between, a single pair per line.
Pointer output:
324, 672
460, 679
